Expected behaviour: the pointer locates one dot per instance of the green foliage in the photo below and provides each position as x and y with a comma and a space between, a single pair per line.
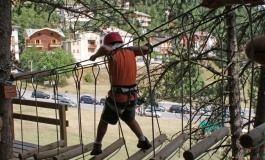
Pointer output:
175, 82
34, 60
153, 54
88, 78
29, 58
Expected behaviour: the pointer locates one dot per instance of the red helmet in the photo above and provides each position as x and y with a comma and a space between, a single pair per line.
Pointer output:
112, 37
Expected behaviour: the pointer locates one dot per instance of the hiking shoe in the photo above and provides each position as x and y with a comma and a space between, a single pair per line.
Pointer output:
96, 149
144, 144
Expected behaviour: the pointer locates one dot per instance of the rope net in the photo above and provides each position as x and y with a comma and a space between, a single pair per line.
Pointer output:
196, 75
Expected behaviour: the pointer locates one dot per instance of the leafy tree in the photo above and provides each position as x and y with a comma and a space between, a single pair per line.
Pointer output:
34, 60
29, 56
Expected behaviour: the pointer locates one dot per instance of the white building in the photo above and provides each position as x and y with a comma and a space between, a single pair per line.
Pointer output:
14, 42
142, 18
126, 37
85, 45
69, 19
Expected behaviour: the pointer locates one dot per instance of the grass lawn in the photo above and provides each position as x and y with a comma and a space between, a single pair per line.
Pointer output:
48, 133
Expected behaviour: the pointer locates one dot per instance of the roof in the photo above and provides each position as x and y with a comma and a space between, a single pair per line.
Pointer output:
14, 26
115, 29
201, 33
30, 32
159, 39
142, 14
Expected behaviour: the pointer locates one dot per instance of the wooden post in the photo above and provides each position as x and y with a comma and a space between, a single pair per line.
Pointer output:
110, 149
257, 152
62, 117
41, 149
61, 121
205, 144
74, 152
254, 137
1, 123
233, 83
142, 153
13, 126
51, 153
1, 126
171, 147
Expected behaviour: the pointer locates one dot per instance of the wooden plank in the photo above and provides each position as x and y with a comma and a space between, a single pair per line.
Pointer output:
63, 124
142, 153
41, 104
205, 144
110, 149
25, 148
75, 152
29, 146
38, 119
17, 148
254, 137
41, 149
166, 151
51, 153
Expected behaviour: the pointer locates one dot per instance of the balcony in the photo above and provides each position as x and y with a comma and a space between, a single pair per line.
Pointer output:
92, 46
37, 45
54, 44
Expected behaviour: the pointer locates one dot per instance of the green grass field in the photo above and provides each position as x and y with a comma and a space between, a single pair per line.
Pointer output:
48, 133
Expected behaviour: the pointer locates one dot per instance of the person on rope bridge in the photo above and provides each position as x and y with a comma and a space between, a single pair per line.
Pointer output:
256, 50
123, 93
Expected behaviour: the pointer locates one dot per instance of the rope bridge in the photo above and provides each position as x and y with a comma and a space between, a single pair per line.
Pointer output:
200, 136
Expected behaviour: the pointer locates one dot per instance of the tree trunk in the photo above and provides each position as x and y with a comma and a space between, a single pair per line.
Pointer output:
257, 153
233, 85
6, 144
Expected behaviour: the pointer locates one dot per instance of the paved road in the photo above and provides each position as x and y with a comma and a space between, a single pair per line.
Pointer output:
165, 114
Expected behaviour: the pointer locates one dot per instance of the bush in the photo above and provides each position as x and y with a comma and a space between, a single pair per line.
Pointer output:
88, 78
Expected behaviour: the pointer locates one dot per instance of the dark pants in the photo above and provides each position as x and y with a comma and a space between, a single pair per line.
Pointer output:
111, 113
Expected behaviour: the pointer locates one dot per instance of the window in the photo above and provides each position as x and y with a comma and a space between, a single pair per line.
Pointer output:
51, 34
74, 51
53, 41
77, 43
77, 51
13, 39
37, 41
90, 42
13, 47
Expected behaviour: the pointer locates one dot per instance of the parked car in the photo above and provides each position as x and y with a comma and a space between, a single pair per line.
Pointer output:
140, 101
68, 102
157, 107
39, 94
140, 59
60, 96
88, 99
102, 101
177, 109
204, 111
148, 112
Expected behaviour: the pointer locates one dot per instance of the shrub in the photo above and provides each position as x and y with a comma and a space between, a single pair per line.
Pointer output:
88, 78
